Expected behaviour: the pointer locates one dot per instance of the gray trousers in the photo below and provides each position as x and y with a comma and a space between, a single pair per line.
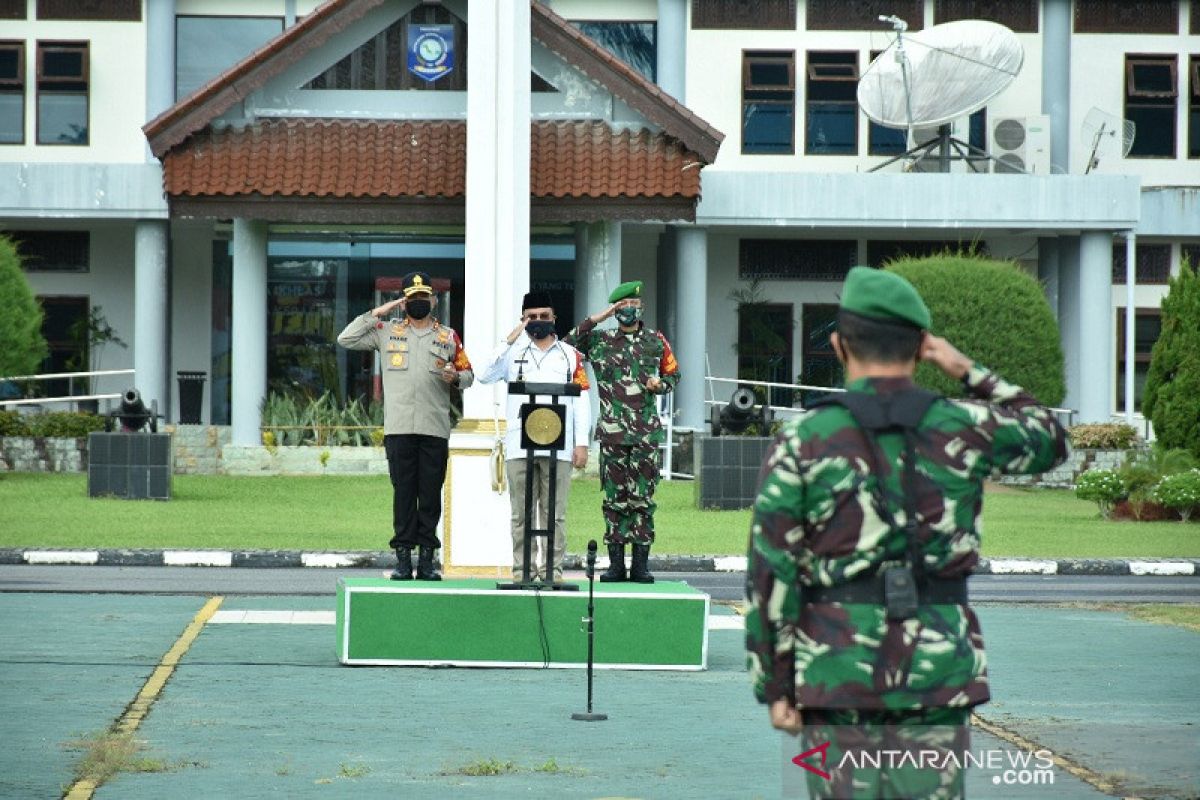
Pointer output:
541, 499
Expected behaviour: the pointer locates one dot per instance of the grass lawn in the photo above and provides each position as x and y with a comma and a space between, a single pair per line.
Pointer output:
353, 513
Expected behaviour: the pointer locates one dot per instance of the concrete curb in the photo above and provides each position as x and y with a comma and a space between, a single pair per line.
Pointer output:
1173, 567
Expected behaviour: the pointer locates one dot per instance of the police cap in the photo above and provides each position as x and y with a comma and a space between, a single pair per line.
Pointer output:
882, 295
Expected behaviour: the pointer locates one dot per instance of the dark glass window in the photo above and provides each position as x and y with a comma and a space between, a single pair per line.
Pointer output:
12, 92
13, 9
635, 43
60, 324
100, 10
1153, 263
1147, 327
768, 102
207, 46
764, 348
1151, 97
1019, 15
862, 15
62, 98
744, 14
1127, 16
831, 107
882, 140
880, 253
820, 366
796, 259
1194, 100
52, 251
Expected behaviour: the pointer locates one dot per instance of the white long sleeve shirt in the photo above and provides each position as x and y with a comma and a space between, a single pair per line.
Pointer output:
523, 360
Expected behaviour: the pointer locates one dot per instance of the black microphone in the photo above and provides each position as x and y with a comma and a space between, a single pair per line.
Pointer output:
591, 558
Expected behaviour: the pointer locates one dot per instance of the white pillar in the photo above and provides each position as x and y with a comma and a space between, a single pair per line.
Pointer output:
497, 201
672, 47
691, 307
160, 60
1068, 316
248, 373
1096, 347
603, 264
1056, 80
150, 339
1130, 319
1048, 270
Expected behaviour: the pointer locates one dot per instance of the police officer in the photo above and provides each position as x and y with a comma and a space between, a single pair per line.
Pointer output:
532, 352
633, 365
421, 361
864, 531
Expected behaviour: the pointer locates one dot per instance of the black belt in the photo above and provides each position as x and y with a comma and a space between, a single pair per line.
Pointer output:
869, 590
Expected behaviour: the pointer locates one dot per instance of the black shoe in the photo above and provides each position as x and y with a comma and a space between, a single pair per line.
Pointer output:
639, 571
425, 570
404, 567
616, 564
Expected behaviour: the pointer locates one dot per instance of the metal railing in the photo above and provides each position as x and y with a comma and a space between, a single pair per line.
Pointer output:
70, 376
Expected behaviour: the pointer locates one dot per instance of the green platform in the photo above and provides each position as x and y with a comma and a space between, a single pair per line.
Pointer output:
471, 623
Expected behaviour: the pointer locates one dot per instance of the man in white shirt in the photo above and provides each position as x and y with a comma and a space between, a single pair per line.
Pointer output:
532, 352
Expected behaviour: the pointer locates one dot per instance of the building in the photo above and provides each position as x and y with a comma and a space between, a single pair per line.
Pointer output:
231, 183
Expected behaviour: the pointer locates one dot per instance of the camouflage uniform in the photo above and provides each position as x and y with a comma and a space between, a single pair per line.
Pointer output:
628, 428
816, 524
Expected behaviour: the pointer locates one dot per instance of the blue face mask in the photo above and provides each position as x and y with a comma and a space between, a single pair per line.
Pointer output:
539, 328
628, 315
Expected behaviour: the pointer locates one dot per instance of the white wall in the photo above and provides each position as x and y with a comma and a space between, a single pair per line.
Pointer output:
116, 90
242, 8
191, 305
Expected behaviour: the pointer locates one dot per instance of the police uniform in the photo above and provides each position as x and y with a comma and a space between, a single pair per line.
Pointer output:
628, 429
524, 360
832, 516
416, 417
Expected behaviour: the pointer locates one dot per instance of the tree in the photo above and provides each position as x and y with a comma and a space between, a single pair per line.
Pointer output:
994, 312
22, 346
1171, 400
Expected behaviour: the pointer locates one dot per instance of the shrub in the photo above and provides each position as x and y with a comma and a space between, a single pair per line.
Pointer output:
1180, 492
995, 313
13, 424
1172, 395
1144, 469
288, 420
64, 424
22, 346
1103, 436
1103, 486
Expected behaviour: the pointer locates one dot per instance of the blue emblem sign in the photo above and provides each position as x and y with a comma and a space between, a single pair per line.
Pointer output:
430, 50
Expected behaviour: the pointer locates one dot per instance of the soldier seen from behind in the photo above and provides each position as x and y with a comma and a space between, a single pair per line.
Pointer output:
633, 365
421, 360
866, 526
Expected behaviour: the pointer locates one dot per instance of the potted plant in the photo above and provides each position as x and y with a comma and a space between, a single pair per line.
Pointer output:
89, 335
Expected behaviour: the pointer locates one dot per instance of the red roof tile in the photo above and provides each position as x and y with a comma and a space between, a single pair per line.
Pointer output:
331, 158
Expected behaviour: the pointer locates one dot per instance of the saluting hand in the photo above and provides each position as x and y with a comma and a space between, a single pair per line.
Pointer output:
944, 356
387, 308
786, 717
606, 313
516, 332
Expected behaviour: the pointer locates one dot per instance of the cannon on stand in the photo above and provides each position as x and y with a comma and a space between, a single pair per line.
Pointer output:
739, 414
130, 459
133, 414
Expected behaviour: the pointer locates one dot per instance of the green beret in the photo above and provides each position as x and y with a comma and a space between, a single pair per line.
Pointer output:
882, 295
627, 289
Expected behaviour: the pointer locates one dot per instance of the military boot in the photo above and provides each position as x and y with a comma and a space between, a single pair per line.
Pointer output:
616, 564
425, 570
403, 570
639, 571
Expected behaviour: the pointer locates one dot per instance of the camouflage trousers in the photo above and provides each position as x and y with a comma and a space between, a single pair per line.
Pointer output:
886, 754
628, 476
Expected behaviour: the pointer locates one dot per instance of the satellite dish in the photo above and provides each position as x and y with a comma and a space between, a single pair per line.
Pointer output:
1105, 135
937, 75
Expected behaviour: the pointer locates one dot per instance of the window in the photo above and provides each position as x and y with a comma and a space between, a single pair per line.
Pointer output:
381, 62
862, 15
880, 253
1124, 16
1147, 326
52, 251
635, 43
1191, 254
764, 348
12, 92
62, 93
744, 14
1194, 102
207, 46
882, 140
831, 107
60, 322
768, 102
1019, 15
1150, 103
13, 9
796, 259
820, 366
99, 10
1153, 263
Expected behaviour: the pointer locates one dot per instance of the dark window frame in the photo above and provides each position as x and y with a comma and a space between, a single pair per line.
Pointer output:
1152, 264
91, 10
786, 93
63, 241
763, 15
1141, 358
790, 255
1131, 89
1107, 16
858, 15
18, 84
1145, 100
653, 77
84, 77
1193, 132
813, 74
757, 361
1021, 17
178, 17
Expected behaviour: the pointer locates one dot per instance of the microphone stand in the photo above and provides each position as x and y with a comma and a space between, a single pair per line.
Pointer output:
590, 619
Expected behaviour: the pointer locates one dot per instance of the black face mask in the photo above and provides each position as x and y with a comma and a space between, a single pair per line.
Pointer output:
539, 328
417, 308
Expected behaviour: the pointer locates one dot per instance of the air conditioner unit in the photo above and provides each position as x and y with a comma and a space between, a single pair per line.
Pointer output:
1020, 145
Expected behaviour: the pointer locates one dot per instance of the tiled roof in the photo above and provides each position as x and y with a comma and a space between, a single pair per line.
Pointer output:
334, 158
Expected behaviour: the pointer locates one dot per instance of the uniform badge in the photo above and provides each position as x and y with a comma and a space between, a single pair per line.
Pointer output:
397, 360
397, 327
440, 363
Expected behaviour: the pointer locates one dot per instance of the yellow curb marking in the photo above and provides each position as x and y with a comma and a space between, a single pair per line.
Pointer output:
136, 711
1078, 770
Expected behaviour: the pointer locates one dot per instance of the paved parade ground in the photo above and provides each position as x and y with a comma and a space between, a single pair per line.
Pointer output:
259, 707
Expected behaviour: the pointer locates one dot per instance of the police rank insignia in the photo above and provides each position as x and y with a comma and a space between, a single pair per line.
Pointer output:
397, 359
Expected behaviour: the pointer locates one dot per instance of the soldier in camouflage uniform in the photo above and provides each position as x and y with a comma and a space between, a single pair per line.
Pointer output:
826, 653
632, 365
